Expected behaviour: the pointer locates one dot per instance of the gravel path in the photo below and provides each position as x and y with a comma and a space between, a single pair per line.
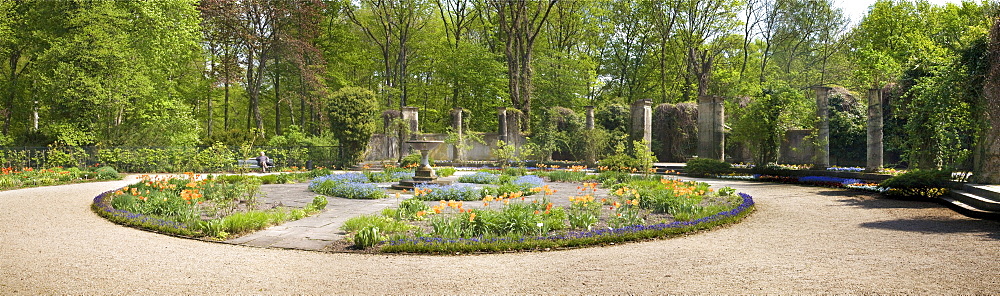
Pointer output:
801, 240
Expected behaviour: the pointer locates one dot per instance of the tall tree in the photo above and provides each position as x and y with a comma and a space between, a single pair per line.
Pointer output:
391, 25
260, 29
519, 22
703, 21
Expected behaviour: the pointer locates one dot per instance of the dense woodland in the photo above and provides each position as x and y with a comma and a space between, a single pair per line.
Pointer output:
169, 73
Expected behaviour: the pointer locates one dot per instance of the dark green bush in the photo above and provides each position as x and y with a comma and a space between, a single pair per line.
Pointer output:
445, 172
107, 173
353, 113
919, 179
700, 167
413, 160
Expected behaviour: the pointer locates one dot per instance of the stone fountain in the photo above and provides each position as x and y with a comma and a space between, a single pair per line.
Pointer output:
424, 174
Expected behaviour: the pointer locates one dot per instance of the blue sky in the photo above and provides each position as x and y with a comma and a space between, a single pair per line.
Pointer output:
856, 9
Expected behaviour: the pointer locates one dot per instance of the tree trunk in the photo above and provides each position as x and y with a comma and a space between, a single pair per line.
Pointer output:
519, 29
277, 103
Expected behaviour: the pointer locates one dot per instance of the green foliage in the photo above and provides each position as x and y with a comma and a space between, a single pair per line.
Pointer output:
613, 118
367, 237
593, 143
609, 178
445, 172
556, 132
409, 209
584, 215
385, 224
107, 173
918, 179
352, 113
762, 125
413, 160
566, 176
675, 130
318, 203
935, 55
939, 117
506, 154
700, 167
848, 128
629, 158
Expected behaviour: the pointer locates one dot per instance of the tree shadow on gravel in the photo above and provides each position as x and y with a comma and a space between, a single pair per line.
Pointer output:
985, 228
875, 201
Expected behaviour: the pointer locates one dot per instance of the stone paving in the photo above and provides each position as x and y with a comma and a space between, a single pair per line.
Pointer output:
314, 232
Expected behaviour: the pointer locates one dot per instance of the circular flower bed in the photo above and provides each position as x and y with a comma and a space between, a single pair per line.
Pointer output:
537, 216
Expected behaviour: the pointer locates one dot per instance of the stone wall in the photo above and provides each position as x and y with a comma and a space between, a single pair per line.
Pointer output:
385, 148
797, 148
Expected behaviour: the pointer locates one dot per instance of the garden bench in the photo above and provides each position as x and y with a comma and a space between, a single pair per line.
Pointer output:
251, 163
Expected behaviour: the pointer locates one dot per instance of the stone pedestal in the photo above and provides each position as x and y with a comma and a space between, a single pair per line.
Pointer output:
875, 148
424, 174
642, 121
502, 124
823, 128
456, 125
711, 127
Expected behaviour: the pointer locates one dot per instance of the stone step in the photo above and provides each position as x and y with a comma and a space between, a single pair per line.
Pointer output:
967, 210
975, 200
984, 191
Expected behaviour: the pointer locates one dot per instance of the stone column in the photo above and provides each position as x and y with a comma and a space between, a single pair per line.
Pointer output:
711, 127
875, 148
590, 117
456, 124
410, 116
642, 121
823, 133
502, 124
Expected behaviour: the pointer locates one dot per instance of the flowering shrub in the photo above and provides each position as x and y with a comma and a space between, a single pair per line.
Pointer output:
11, 178
527, 182
480, 178
184, 206
349, 185
339, 178
449, 192
846, 169
866, 187
567, 240
352, 190
735, 176
827, 181
387, 176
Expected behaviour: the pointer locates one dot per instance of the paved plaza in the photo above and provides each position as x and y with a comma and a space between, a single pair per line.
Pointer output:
800, 240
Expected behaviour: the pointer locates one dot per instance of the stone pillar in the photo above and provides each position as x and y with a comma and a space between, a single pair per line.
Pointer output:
642, 121
456, 124
823, 127
875, 148
590, 117
502, 124
711, 127
410, 116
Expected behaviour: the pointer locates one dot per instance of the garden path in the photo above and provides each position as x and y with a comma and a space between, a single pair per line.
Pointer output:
315, 232
801, 240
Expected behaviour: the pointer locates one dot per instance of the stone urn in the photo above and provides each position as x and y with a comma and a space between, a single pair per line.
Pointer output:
424, 174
